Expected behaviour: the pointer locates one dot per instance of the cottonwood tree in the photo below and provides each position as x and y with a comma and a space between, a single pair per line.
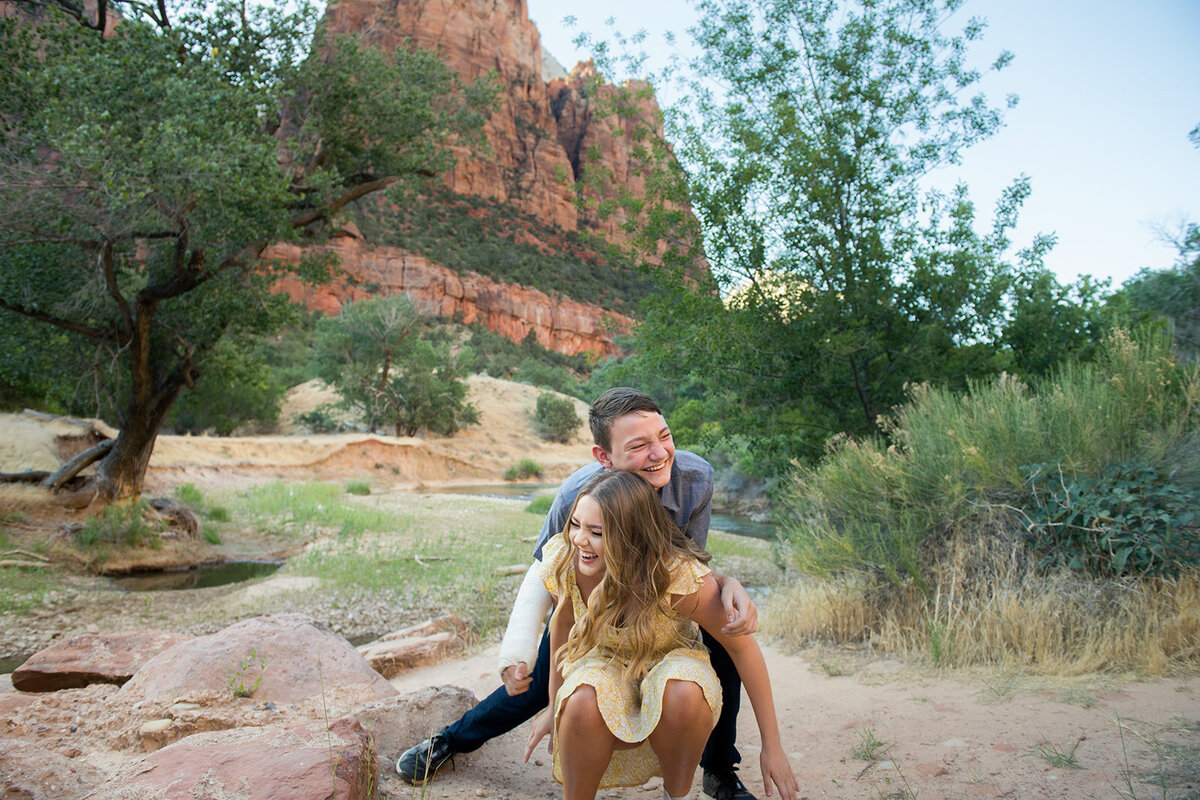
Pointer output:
805, 133
375, 356
145, 169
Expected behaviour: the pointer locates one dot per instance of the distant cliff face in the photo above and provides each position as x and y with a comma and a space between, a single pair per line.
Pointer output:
545, 134
508, 309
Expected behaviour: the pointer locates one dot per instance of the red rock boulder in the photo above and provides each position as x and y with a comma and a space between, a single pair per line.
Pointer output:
282, 658
298, 761
92, 658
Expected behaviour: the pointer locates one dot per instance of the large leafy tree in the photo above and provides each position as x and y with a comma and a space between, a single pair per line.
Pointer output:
375, 356
837, 278
144, 172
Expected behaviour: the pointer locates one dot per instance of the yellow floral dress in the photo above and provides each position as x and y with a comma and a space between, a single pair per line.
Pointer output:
631, 710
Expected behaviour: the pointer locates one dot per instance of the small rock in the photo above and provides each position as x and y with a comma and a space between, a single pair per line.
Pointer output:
932, 770
156, 726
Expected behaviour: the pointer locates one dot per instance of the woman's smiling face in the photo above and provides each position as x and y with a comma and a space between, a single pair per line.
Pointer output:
585, 532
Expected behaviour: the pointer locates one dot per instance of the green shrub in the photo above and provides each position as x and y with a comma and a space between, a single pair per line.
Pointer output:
525, 468
122, 524
546, 376
236, 390
320, 420
555, 418
956, 460
540, 505
1129, 520
358, 486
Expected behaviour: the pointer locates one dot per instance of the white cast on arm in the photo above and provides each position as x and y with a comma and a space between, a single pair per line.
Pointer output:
525, 623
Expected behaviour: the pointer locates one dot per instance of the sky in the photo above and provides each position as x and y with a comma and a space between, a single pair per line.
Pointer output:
1109, 90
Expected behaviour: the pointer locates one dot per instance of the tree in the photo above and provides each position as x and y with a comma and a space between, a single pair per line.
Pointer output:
1174, 293
374, 356
1050, 323
144, 172
555, 418
836, 278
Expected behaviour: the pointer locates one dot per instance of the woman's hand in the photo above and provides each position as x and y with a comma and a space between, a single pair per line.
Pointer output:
776, 769
516, 678
543, 726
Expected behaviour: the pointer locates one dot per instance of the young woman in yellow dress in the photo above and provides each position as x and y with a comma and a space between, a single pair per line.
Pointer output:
634, 695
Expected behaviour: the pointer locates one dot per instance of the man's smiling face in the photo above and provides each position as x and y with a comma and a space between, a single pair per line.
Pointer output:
641, 444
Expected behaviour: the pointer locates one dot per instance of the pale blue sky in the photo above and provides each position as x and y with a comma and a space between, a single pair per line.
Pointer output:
1109, 91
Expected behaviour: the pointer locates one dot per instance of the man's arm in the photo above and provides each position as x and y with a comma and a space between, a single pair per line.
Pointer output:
741, 614
518, 651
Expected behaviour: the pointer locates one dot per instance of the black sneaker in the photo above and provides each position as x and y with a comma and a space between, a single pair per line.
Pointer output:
724, 785
417, 765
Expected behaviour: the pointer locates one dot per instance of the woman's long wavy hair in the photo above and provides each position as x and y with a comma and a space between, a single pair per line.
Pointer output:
641, 544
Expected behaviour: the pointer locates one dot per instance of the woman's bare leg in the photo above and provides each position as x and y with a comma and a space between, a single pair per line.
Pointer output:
679, 739
585, 745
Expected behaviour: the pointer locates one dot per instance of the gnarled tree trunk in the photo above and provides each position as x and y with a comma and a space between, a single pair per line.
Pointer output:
121, 474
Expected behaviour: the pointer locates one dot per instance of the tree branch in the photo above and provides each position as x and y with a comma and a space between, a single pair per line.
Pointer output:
107, 269
362, 190
78, 464
58, 322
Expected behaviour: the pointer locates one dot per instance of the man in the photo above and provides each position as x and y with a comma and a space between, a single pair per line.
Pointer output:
630, 434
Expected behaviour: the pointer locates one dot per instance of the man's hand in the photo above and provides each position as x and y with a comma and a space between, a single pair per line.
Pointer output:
543, 726
516, 678
740, 612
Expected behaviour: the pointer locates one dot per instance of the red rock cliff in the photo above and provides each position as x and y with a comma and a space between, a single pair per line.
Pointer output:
555, 156
544, 135
511, 310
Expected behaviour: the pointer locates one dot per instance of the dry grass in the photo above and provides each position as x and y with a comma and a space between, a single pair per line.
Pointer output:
989, 607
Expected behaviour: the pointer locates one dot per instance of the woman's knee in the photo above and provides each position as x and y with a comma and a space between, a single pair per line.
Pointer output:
685, 699
581, 708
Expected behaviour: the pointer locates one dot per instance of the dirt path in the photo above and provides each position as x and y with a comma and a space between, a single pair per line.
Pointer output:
943, 737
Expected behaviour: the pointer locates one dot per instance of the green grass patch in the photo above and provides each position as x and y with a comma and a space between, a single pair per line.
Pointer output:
359, 486
122, 524
188, 494
298, 508
210, 532
540, 505
433, 556
25, 588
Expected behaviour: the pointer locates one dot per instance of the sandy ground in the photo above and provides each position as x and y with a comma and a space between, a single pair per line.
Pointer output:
942, 735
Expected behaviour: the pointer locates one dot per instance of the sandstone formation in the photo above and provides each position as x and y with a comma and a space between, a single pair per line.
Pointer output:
558, 154
396, 723
327, 727
298, 760
415, 646
544, 128
283, 658
91, 658
511, 310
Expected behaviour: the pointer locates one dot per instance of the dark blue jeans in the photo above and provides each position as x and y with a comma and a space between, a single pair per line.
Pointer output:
498, 713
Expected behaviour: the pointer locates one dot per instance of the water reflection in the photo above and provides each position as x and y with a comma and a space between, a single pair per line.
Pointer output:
200, 577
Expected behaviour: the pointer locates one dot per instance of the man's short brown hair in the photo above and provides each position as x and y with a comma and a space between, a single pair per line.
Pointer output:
616, 402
